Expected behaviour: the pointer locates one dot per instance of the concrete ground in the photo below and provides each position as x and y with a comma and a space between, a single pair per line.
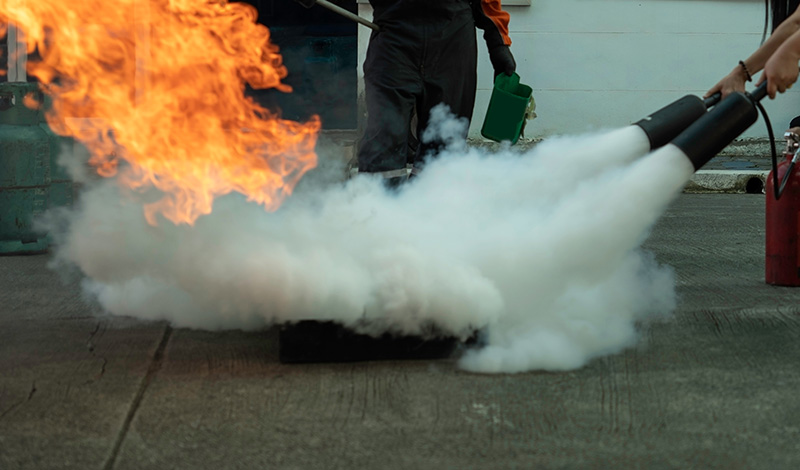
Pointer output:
741, 168
714, 386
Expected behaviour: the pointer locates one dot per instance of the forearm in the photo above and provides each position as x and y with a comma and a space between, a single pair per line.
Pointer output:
781, 69
786, 30
790, 49
747, 69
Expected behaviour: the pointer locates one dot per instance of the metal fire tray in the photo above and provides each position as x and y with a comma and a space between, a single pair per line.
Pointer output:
311, 341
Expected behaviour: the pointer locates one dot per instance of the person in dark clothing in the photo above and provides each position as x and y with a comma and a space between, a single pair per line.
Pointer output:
424, 54
782, 9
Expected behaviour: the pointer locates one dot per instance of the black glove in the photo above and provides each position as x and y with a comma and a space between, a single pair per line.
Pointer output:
306, 3
502, 60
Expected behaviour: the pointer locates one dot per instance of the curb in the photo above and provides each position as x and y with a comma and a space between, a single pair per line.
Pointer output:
727, 181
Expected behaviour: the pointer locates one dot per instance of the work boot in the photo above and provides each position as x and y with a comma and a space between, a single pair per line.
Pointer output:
392, 179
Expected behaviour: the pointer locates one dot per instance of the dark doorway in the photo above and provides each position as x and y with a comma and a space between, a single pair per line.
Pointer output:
320, 51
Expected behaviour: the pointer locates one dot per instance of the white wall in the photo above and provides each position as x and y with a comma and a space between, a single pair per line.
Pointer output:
607, 63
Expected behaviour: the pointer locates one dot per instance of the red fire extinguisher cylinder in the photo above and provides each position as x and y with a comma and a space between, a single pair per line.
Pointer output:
783, 219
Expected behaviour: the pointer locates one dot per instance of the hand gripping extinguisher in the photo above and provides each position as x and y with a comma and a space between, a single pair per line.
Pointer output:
783, 217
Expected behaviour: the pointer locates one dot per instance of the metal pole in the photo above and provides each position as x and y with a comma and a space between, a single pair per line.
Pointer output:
17, 55
347, 14
143, 56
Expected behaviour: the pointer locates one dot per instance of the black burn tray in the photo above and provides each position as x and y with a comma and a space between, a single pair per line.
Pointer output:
311, 341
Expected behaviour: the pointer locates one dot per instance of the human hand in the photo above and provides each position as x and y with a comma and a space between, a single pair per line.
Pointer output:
502, 60
780, 72
730, 83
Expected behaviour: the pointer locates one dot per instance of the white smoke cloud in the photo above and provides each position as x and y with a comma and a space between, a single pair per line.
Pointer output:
539, 250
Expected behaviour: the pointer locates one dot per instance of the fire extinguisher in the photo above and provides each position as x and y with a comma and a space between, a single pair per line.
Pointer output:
783, 217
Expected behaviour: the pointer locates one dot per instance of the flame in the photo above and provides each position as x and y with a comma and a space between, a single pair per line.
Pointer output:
159, 85
3, 32
31, 101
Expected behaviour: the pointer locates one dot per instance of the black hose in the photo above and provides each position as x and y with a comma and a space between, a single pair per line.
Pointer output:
757, 95
781, 9
776, 186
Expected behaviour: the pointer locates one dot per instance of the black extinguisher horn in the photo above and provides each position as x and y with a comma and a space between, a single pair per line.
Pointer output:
707, 136
666, 123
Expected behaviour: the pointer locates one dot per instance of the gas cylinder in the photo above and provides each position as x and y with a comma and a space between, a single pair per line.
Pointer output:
783, 220
31, 181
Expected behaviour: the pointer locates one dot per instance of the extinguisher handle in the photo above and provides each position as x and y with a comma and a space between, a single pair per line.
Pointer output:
759, 93
713, 99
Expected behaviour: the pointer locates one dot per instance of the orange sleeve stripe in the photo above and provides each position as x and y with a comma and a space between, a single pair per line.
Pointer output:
500, 18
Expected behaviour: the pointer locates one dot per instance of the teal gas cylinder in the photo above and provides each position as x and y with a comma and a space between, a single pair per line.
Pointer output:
30, 180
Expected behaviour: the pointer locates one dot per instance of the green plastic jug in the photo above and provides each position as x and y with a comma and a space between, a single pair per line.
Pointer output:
509, 107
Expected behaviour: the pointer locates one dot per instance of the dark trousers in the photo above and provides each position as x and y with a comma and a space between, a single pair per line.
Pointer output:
415, 65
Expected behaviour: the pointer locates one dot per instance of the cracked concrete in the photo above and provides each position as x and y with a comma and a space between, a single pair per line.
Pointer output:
711, 386
68, 373
11, 408
155, 365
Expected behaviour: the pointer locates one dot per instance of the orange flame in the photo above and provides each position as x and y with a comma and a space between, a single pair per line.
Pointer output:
3, 32
163, 82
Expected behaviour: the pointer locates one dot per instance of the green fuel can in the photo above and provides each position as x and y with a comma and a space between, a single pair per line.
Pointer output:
510, 105
31, 182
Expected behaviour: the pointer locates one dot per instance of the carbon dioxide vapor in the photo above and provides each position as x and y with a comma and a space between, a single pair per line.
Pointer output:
539, 250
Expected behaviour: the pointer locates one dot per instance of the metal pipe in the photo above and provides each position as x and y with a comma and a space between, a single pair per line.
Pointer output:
337, 9
17, 59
